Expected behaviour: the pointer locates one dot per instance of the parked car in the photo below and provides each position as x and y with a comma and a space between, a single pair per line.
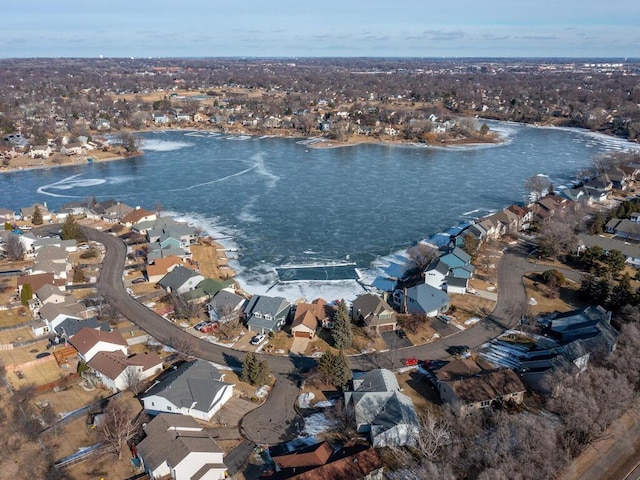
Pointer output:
138, 280
434, 364
461, 350
401, 333
444, 319
209, 327
199, 325
410, 362
257, 339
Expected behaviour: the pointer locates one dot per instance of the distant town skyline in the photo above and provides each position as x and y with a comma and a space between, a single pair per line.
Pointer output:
287, 28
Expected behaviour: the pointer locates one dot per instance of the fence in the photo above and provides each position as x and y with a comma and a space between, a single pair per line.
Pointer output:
61, 382
99, 405
12, 367
82, 456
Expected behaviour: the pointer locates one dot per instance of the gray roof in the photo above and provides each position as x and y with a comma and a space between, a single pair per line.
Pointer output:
50, 253
193, 384
171, 438
626, 226
428, 298
154, 254
70, 326
265, 305
439, 266
225, 298
631, 250
378, 380
177, 277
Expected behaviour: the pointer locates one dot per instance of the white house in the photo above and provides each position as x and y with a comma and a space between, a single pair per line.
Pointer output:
194, 388
177, 447
40, 151
119, 372
89, 342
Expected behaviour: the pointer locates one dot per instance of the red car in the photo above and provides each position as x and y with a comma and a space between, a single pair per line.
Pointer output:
410, 362
209, 327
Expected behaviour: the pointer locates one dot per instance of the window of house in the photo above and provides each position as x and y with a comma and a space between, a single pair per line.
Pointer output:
485, 403
169, 408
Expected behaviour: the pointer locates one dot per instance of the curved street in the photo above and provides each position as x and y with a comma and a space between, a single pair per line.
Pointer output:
281, 420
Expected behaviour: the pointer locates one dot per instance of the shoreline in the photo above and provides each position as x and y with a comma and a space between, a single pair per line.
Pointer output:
25, 163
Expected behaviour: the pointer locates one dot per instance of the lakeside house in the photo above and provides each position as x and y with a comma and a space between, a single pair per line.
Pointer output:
266, 314
374, 312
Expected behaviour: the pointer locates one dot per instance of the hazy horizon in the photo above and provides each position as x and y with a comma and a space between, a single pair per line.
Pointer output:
287, 29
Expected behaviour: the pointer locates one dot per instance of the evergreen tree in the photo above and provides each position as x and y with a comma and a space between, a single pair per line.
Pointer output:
622, 293
36, 218
254, 370
335, 369
343, 373
70, 229
26, 294
342, 333
327, 366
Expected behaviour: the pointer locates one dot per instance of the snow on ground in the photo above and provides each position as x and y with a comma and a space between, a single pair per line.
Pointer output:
304, 400
317, 423
325, 404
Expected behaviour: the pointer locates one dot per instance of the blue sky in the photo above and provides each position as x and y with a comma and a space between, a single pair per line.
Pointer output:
289, 28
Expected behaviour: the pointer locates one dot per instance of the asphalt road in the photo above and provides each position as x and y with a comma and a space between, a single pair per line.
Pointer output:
513, 265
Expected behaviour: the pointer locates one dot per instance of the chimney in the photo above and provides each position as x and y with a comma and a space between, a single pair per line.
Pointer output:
404, 300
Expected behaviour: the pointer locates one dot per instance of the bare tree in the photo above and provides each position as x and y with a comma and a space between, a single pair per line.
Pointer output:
183, 308
556, 237
14, 247
184, 345
133, 380
421, 255
537, 186
119, 425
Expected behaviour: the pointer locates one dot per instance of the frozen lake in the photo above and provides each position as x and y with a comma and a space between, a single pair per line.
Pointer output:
282, 204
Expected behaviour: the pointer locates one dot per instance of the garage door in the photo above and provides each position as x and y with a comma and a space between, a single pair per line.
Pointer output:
385, 328
302, 334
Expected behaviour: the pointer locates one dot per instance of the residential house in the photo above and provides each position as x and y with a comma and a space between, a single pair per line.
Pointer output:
138, 215
422, 299
50, 294
70, 326
304, 457
71, 149
111, 211
119, 372
180, 280
576, 324
27, 212
450, 272
471, 385
39, 151
225, 306
69, 246
162, 266
308, 317
195, 388
623, 228
550, 206
631, 251
177, 447
381, 410
89, 342
374, 312
524, 214
266, 314
37, 281
160, 118
351, 462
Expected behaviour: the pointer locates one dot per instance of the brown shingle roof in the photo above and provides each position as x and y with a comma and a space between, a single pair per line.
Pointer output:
310, 314
86, 338
487, 386
348, 468
310, 456
112, 364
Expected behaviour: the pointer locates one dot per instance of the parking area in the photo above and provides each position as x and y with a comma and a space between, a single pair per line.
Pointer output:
395, 340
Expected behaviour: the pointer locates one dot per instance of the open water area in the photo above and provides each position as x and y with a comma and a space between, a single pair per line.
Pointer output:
307, 222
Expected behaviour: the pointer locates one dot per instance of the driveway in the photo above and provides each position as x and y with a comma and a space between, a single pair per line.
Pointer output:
276, 420
299, 345
393, 340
